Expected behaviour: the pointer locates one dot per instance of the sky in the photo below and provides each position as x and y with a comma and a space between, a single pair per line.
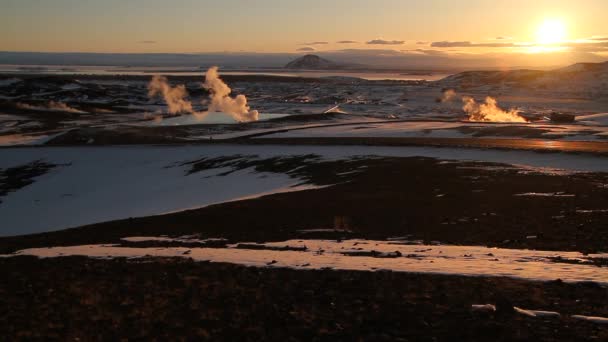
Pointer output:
430, 27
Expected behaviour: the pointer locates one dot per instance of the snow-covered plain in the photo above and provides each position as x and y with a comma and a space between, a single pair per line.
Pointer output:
95, 184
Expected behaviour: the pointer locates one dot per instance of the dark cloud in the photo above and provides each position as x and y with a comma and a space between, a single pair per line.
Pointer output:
447, 44
316, 43
148, 42
306, 49
600, 39
385, 42
347, 42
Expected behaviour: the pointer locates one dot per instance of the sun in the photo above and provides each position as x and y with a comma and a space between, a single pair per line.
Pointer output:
551, 31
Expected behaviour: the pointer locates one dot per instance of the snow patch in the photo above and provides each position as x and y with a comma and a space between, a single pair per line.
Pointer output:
592, 319
537, 313
366, 255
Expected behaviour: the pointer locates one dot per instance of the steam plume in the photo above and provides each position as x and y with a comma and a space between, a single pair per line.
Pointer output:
222, 102
489, 111
448, 95
174, 96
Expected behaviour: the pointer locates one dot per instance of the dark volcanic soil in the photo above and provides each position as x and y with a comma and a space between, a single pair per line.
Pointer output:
78, 298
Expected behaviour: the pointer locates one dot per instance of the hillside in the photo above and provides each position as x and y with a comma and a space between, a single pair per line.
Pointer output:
583, 79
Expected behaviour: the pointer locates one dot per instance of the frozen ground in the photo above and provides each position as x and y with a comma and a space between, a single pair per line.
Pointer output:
368, 255
46, 105
107, 183
435, 129
363, 240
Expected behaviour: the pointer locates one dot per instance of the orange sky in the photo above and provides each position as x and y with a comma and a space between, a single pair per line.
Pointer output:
499, 27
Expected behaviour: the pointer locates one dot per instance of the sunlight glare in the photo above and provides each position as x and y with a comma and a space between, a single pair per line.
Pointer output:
551, 32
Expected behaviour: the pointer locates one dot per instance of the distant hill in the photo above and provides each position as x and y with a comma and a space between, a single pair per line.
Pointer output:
589, 80
312, 62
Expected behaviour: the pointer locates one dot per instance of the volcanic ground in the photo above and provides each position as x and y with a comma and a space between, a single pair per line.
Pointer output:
388, 217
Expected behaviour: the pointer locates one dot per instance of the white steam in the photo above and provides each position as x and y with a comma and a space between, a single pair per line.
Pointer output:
222, 102
489, 111
448, 95
175, 97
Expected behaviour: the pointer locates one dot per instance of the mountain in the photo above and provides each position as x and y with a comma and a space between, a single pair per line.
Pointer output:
311, 62
587, 80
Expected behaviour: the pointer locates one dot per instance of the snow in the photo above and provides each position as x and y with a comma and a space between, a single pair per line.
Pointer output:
71, 86
341, 255
27, 139
544, 194
238, 134
537, 313
9, 81
181, 239
117, 182
483, 308
591, 211
592, 319
593, 119
443, 129
377, 129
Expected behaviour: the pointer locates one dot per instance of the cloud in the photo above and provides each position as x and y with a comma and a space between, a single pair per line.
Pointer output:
448, 44
316, 43
347, 42
591, 45
443, 59
503, 38
428, 52
422, 43
370, 52
385, 42
147, 42
599, 46
306, 49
